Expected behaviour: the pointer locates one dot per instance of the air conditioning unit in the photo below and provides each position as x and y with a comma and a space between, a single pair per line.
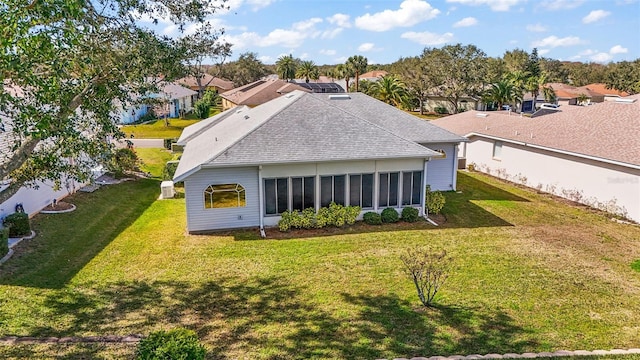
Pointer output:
168, 191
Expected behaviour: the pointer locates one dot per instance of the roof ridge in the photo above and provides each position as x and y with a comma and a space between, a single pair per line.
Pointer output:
369, 122
257, 127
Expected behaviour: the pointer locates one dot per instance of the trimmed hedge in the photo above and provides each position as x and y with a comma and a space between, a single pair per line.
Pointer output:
410, 214
334, 215
4, 242
389, 215
372, 218
18, 224
172, 344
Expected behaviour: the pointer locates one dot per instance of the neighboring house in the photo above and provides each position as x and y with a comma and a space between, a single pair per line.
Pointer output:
569, 95
607, 94
321, 87
245, 166
588, 154
374, 75
210, 82
173, 100
441, 104
257, 93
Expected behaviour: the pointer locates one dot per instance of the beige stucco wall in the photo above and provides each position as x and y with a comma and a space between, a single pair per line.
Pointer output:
606, 186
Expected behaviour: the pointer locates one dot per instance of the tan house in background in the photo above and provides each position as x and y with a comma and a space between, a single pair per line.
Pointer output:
211, 83
257, 93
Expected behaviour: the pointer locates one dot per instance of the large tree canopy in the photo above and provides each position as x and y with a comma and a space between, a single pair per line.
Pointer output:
65, 68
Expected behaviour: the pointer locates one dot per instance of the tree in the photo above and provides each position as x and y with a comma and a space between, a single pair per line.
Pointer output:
413, 73
247, 69
389, 90
624, 76
428, 269
307, 70
342, 71
67, 68
287, 66
583, 99
515, 60
358, 65
458, 70
502, 92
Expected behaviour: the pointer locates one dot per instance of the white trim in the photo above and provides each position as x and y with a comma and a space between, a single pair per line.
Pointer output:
424, 189
261, 199
454, 168
565, 152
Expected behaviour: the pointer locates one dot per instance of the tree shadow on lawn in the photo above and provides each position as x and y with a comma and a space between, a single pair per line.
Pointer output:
271, 318
65, 243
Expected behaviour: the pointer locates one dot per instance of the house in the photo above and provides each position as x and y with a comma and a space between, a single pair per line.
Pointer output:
172, 100
374, 75
245, 166
587, 154
607, 94
440, 104
570, 95
321, 87
210, 83
257, 93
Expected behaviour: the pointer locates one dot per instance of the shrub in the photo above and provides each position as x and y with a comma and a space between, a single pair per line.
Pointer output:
286, 218
4, 242
334, 215
168, 142
201, 108
441, 110
172, 344
150, 115
389, 215
18, 224
372, 218
123, 160
308, 218
428, 269
352, 214
410, 214
434, 200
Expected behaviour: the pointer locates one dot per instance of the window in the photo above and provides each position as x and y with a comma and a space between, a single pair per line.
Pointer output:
276, 195
497, 150
302, 193
332, 188
224, 196
412, 188
441, 151
388, 194
361, 190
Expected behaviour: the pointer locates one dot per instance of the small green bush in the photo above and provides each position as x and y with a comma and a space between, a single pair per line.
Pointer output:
168, 142
18, 224
372, 218
410, 214
172, 344
4, 242
435, 201
308, 218
286, 219
124, 160
389, 215
201, 108
334, 215
441, 110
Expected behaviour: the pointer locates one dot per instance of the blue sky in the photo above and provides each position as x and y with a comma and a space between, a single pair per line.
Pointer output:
329, 31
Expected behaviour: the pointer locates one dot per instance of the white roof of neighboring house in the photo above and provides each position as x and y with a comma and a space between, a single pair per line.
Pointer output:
305, 127
609, 131
174, 91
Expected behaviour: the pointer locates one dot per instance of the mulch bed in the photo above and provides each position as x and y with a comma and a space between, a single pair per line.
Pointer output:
60, 206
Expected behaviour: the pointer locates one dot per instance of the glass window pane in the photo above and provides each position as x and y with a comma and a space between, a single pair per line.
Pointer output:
282, 194
325, 190
406, 188
339, 189
417, 188
354, 190
383, 194
367, 190
309, 192
270, 196
296, 194
393, 189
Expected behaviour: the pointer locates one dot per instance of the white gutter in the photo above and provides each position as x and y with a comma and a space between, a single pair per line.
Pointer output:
423, 201
565, 152
261, 201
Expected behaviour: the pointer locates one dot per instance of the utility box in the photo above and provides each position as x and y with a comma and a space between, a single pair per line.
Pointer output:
168, 191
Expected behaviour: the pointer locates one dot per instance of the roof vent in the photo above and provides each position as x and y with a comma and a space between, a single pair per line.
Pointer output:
482, 115
339, 97
625, 100
290, 95
246, 117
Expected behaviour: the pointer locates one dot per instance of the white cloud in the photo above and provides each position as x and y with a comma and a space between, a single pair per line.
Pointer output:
411, 12
554, 41
495, 5
291, 38
543, 51
330, 34
561, 4
601, 57
259, 4
341, 20
306, 25
618, 50
304, 56
328, 52
366, 47
594, 16
427, 38
265, 59
468, 21
536, 28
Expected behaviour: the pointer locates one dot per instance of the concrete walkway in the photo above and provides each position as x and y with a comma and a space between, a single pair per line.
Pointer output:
560, 353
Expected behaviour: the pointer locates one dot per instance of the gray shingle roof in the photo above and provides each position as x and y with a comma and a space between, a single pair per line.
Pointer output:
303, 127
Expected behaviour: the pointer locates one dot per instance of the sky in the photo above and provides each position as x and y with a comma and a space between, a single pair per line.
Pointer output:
329, 31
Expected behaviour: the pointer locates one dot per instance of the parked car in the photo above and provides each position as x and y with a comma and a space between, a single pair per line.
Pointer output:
550, 106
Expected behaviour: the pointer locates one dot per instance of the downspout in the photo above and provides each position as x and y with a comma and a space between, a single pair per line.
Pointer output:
423, 201
454, 176
261, 201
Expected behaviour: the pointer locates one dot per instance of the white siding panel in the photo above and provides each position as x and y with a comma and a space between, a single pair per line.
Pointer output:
33, 200
400, 165
201, 219
583, 180
440, 171
346, 167
271, 171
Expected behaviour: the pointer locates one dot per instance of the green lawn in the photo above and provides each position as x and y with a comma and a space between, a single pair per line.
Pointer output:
157, 129
154, 160
530, 274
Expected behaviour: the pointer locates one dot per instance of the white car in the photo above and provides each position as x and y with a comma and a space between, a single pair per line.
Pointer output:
550, 106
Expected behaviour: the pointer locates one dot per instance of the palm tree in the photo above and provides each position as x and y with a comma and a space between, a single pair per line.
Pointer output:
583, 99
502, 92
307, 70
286, 67
390, 90
342, 71
358, 65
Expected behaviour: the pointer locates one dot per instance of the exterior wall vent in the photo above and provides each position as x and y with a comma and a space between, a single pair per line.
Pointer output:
339, 97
